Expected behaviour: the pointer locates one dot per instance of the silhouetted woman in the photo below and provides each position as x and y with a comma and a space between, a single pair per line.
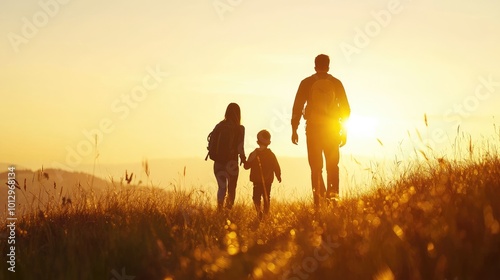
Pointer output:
225, 147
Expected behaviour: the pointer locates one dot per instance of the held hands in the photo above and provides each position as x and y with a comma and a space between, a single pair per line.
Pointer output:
243, 160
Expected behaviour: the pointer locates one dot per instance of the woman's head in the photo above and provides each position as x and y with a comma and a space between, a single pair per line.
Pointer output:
233, 113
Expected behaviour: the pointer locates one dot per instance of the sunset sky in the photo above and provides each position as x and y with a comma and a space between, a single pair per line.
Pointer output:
152, 78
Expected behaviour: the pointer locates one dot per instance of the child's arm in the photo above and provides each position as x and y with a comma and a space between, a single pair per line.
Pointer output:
248, 162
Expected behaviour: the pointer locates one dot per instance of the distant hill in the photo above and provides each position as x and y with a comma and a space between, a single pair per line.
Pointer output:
40, 186
4, 166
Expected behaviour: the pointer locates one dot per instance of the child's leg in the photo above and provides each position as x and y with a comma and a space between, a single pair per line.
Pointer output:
267, 199
257, 193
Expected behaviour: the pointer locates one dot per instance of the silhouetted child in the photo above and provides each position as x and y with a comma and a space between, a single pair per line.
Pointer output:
263, 166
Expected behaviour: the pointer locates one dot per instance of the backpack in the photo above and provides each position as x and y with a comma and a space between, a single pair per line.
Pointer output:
321, 100
221, 142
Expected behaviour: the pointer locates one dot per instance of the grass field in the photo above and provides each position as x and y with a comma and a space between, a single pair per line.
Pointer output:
439, 219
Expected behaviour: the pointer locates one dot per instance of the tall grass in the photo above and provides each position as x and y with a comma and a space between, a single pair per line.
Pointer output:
438, 219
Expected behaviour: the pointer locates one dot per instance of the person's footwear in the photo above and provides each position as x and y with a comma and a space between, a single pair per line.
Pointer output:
332, 201
219, 206
259, 215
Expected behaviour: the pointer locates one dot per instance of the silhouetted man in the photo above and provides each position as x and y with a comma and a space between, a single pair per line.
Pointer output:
326, 108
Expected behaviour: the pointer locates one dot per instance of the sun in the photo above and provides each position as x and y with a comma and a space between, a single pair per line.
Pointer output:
359, 126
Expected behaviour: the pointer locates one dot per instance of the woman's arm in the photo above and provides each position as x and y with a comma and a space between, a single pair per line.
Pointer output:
241, 144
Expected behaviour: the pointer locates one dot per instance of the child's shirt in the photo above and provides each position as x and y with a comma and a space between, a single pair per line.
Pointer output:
268, 167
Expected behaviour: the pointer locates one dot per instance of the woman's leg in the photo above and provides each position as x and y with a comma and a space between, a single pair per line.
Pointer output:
222, 178
232, 171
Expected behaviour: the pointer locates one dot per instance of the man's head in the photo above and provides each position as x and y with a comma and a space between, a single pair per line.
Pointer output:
322, 63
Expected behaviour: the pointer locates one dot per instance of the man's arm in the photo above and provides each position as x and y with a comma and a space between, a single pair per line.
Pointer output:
344, 113
298, 107
344, 108
277, 169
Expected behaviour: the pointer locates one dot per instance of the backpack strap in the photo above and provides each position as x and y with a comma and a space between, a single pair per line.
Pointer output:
208, 148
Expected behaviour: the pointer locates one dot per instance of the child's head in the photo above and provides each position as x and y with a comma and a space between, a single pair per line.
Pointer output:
264, 138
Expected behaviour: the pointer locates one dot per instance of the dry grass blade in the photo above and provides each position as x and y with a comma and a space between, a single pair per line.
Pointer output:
424, 155
145, 167
380, 142
355, 160
418, 135
470, 145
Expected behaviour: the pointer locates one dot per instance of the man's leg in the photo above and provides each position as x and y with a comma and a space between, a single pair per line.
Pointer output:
315, 157
332, 157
